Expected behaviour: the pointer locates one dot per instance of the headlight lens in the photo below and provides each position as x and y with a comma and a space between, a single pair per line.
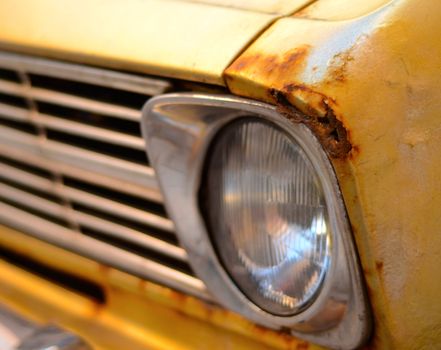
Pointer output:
267, 215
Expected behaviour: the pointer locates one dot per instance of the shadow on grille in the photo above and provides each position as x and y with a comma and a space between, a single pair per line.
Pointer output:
100, 93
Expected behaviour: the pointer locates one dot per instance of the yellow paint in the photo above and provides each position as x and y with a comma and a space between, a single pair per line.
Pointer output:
280, 7
337, 10
381, 75
137, 314
170, 38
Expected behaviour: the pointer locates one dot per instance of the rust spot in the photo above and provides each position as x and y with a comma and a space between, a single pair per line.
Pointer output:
337, 71
302, 346
284, 334
104, 269
96, 309
379, 266
141, 284
179, 297
338, 66
272, 65
294, 58
245, 61
328, 129
355, 151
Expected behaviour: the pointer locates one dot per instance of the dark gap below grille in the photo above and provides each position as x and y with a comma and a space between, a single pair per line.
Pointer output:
21, 126
44, 195
26, 167
121, 152
13, 100
148, 230
40, 214
91, 91
140, 251
114, 195
90, 118
63, 279
9, 75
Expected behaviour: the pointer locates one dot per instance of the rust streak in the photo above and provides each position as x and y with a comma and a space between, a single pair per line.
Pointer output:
328, 129
379, 266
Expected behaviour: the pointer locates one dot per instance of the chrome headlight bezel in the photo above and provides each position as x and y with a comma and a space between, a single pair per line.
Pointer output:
178, 129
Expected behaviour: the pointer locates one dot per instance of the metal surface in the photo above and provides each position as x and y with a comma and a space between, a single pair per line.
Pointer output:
152, 36
105, 253
337, 10
280, 7
380, 76
81, 73
178, 129
18, 333
63, 99
13, 329
84, 196
136, 315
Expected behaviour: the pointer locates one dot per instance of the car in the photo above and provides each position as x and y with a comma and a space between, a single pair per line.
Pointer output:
215, 174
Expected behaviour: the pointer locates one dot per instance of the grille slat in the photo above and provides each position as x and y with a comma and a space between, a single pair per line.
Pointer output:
53, 122
96, 162
130, 235
73, 169
102, 252
151, 193
74, 72
75, 128
19, 140
76, 196
13, 113
119, 209
38, 183
26, 179
31, 201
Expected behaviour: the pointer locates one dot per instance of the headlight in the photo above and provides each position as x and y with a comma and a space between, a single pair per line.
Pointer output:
267, 215
258, 209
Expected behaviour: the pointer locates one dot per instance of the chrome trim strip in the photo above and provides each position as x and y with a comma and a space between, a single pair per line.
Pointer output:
71, 101
130, 235
85, 74
112, 229
96, 250
32, 202
81, 158
24, 178
93, 201
178, 129
115, 208
55, 123
88, 131
13, 113
97, 162
150, 193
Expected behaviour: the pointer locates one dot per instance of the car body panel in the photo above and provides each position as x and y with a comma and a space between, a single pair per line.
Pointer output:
337, 10
279, 7
380, 76
136, 314
163, 41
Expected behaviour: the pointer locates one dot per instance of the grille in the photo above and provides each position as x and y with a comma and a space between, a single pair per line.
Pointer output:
73, 169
